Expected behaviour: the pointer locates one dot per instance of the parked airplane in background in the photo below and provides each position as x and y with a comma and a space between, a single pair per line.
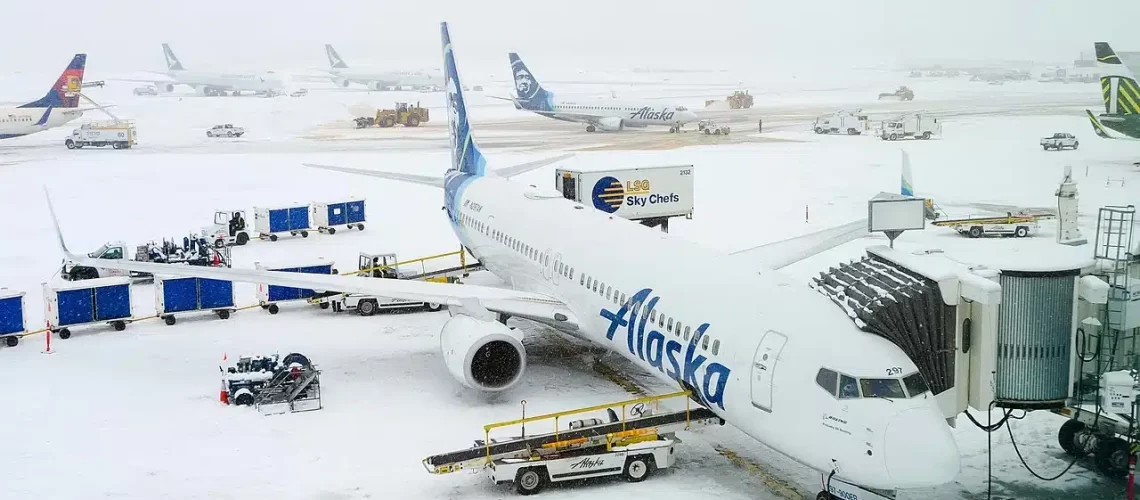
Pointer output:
213, 83
610, 115
342, 75
59, 106
1121, 118
770, 356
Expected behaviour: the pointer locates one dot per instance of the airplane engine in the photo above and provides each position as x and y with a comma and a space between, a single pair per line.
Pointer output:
482, 354
375, 85
340, 82
164, 87
611, 124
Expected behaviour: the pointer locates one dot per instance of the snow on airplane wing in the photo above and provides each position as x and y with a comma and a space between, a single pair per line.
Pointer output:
428, 180
780, 254
533, 306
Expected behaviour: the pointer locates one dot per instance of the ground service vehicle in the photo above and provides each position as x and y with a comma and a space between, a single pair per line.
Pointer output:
903, 93
916, 126
381, 266
226, 130
740, 99
404, 114
1059, 141
119, 134
711, 127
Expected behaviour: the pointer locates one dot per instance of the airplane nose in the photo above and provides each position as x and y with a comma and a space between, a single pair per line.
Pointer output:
920, 451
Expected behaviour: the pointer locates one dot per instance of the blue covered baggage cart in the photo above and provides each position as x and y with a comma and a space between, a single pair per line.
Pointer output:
271, 222
12, 323
74, 303
328, 216
179, 295
269, 295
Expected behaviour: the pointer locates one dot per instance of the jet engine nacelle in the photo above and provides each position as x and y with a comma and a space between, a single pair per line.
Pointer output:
164, 87
375, 85
482, 354
340, 82
611, 124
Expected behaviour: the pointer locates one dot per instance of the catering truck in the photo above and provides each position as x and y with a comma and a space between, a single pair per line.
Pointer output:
650, 195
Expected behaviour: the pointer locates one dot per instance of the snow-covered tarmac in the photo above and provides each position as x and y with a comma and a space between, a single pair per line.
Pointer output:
134, 414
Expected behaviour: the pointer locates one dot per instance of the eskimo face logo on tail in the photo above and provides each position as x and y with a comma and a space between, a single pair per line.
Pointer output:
608, 194
524, 84
666, 355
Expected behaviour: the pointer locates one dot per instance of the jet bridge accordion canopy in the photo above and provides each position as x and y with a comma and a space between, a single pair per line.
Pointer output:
901, 306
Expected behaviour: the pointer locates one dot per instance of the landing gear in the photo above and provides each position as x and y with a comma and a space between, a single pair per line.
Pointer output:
590, 128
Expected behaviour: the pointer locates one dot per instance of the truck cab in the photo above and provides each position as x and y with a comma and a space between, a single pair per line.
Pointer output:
230, 228
111, 250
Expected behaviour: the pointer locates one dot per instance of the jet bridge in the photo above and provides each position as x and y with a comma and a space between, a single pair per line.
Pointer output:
580, 436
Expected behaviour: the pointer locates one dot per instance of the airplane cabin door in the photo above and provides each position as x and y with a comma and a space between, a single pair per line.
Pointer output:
764, 367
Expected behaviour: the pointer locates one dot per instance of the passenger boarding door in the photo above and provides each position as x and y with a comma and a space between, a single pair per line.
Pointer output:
764, 368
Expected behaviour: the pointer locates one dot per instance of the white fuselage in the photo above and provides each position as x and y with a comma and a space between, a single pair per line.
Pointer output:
259, 82
380, 79
631, 114
16, 122
537, 241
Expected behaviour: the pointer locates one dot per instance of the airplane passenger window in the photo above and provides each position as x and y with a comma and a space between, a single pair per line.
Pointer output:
623, 298
661, 322
653, 315
686, 333
677, 331
705, 343
882, 388
602, 290
616, 298
828, 380
609, 291
670, 325
848, 389
595, 287
571, 273
716, 347
915, 385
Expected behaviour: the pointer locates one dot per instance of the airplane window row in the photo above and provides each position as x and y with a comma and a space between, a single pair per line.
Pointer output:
597, 108
666, 323
847, 387
14, 118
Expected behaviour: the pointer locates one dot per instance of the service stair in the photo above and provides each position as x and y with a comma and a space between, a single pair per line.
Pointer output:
445, 273
291, 390
581, 434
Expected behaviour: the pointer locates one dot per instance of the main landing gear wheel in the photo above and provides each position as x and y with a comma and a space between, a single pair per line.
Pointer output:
531, 480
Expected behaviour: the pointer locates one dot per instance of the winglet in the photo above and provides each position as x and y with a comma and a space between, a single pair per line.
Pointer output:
55, 224
1098, 129
907, 188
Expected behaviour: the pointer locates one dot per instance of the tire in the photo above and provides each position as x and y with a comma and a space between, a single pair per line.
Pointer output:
224, 314
926, 135
244, 399
360, 227
122, 325
169, 320
636, 469
117, 145
69, 143
219, 243
242, 239
717, 132
894, 137
823, 495
975, 232
433, 307
273, 309
1067, 435
852, 131
1021, 232
332, 230
273, 237
367, 307
590, 128
530, 480
209, 134
12, 341
1111, 457
296, 357
819, 130
65, 334
323, 305
413, 121
304, 234
1075, 144
707, 132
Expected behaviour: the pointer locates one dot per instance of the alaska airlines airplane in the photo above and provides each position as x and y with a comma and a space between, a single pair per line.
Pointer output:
342, 75
610, 116
214, 83
1121, 97
59, 106
766, 353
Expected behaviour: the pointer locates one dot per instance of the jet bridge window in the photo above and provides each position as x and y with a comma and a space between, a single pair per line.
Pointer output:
882, 388
848, 388
915, 385
828, 380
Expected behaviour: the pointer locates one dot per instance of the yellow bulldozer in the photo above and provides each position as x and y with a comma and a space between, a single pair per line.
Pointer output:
404, 114
740, 99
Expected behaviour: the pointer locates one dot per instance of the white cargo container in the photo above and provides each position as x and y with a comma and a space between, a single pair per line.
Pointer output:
842, 122
643, 193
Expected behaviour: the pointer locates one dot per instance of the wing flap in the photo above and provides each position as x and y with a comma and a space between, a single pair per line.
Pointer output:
783, 253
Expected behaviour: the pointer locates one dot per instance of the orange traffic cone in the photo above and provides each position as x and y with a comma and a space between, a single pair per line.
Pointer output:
224, 395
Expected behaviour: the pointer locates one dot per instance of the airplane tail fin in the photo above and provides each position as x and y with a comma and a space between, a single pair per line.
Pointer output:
1118, 84
335, 61
65, 92
465, 155
172, 62
907, 188
531, 95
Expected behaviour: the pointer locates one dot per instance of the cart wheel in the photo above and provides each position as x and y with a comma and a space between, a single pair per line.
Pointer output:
324, 305
292, 233
367, 307
1068, 435
332, 230
273, 237
65, 334
12, 341
636, 469
530, 480
121, 325
433, 307
219, 243
224, 314
242, 239
1021, 232
305, 234
360, 227
975, 232
273, 309
1112, 457
168, 319
244, 399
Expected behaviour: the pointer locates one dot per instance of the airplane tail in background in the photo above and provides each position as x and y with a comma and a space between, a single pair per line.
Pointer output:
531, 95
1118, 84
907, 188
465, 155
172, 62
335, 62
65, 92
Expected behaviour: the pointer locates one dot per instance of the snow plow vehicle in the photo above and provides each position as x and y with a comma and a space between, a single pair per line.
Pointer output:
740, 99
903, 93
404, 114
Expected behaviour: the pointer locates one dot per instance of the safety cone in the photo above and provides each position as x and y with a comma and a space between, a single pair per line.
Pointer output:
224, 395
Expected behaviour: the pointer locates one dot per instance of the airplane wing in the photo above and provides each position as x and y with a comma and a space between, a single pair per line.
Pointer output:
523, 168
435, 181
72, 111
533, 306
784, 253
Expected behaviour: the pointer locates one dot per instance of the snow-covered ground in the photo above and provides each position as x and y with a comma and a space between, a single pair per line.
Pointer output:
134, 414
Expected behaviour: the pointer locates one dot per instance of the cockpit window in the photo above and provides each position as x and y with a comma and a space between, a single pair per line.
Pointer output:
827, 379
915, 384
882, 388
848, 389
